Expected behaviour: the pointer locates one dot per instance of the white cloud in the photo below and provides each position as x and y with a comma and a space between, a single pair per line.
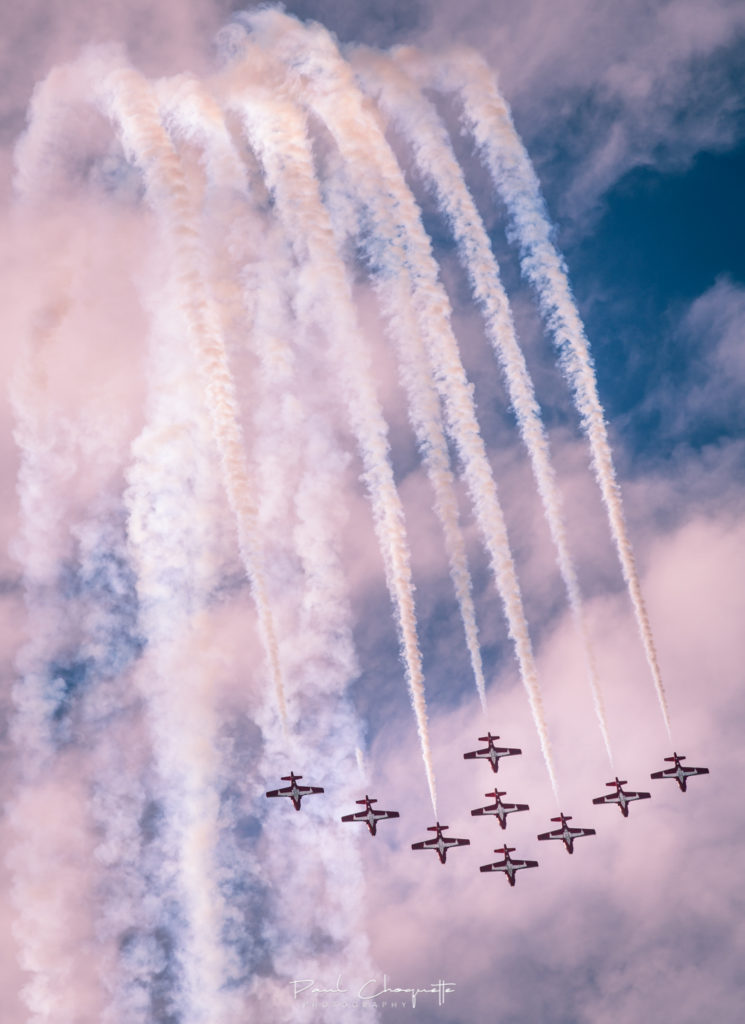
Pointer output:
638, 924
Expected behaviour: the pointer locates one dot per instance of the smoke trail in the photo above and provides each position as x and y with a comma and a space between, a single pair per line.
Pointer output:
141, 926
126, 98
325, 83
425, 417
169, 543
488, 117
424, 413
169, 485
119, 774
299, 465
50, 855
277, 133
403, 103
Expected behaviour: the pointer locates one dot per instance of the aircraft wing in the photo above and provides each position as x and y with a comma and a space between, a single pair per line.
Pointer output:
672, 773
606, 798
308, 790
557, 833
485, 810
499, 751
425, 844
377, 815
429, 844
501, 865
497, 866
357, 816
279, 792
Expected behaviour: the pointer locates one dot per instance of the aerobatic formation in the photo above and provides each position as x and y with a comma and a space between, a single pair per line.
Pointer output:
440, 843
248, 250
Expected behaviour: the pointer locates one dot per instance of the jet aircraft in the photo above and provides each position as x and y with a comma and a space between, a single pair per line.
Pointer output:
620, 797
681, 773
371, 816
499, 809
566, 833
508, 865
492, 752
441, 844
293, 791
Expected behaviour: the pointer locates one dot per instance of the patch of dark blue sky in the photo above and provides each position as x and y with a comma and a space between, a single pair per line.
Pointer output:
383, 23
665, 236
664, 240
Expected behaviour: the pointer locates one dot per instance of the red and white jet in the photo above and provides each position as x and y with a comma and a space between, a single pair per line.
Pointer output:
441, 844
293, 791
620, 797
508, 865
681, 773
566, 833
371, 816
492, 752
499, 809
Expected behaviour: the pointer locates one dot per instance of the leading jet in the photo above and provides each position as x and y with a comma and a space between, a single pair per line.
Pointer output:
566, 833
681, 773
499, 809
440, 844
492, 752
371, 816
508, 865
293, 791
620, 797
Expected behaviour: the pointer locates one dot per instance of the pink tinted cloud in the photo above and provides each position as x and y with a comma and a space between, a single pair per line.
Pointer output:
641, 922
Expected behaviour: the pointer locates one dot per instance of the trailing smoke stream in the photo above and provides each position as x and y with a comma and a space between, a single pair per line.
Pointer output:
324, 82
299, 467
166, 520
488, 117
277, 133
51, 785
403, 103
424, 414
169, 483
138, 117
426, 420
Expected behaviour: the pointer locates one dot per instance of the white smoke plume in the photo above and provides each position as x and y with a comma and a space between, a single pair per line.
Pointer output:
277, 132
488, 117
405, 105
50, 826
299, 483
425, 416
172, 519
137, 116
326, 84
